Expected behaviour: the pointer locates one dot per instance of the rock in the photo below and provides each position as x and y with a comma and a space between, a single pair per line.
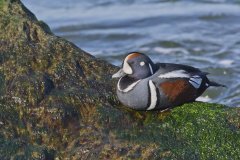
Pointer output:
58, 102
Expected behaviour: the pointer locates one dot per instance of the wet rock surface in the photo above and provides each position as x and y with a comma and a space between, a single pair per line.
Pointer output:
58, 102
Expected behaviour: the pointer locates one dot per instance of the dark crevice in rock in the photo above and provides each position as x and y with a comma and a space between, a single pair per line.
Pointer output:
79, 70
32, 36
26, 29
35, 35
48, 84
2, 84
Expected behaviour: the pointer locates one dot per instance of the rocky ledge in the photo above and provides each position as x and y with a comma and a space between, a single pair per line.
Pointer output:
59, 102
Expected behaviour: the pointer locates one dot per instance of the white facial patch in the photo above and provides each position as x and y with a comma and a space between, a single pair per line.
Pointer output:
153, 94
126, 67
142, 63
175, 74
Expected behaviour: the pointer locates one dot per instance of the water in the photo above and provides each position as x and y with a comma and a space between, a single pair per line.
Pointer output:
205, 34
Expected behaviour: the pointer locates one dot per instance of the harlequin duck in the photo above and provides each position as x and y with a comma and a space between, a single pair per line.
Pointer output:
144, 85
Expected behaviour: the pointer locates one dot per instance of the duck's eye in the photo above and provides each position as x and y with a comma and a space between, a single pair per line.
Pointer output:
142, 63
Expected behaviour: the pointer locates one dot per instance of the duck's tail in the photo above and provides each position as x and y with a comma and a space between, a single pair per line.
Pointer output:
215, 84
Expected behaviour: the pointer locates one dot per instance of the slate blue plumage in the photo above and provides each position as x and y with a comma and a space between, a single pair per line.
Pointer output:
144, 85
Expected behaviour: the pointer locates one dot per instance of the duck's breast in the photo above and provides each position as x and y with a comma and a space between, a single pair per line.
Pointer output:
137, 96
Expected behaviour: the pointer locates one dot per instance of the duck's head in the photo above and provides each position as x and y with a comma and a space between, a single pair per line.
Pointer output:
136, 65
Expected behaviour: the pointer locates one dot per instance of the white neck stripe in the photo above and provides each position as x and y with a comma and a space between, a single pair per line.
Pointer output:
129, 88
151, 70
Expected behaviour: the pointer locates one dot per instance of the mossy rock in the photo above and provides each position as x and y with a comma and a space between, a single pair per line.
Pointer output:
59, 102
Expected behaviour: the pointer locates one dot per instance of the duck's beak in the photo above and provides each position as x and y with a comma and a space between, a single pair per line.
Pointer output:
120, 73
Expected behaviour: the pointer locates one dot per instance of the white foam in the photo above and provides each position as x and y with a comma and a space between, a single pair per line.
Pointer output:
226, 62
204, 99
170, 50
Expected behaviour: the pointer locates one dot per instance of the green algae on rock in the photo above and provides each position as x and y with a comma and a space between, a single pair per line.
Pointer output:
59, 102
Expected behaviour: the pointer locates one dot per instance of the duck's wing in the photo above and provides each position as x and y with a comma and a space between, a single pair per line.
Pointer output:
169, 67
196, 77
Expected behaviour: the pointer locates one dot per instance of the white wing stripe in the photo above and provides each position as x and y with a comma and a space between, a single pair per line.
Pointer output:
196, 81
175, 74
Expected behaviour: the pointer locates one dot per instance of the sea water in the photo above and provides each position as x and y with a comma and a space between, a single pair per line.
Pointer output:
203, 33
